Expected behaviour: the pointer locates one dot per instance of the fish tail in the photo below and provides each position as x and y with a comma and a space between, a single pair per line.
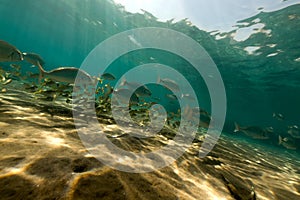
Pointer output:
42, 71
279, 140
237, 127
40, 67
21, 55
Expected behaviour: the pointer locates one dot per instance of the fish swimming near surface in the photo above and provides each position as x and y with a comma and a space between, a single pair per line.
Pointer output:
287, 142
9, 53
33, 58
254, 132
64, 74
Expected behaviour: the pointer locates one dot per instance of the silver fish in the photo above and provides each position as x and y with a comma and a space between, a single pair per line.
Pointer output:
205, 117
287, 142
294, 131
64, 74
122, 95
269, 129
33, 58
171, 96
142, 91
108, 76
278, 116
168, 83
9, 53
188, 96
252, 131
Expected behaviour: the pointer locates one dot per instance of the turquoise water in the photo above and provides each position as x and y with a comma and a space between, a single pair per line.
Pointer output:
64, 32
257, 85
261, 75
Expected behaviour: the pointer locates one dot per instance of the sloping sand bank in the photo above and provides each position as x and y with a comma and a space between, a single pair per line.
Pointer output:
42, 157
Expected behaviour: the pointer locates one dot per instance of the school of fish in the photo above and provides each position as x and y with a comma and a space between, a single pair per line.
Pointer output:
57, 83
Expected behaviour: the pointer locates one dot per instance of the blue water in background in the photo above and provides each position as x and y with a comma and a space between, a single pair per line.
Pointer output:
64, 32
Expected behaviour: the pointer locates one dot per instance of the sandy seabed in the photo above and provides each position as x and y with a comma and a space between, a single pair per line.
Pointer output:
42, 157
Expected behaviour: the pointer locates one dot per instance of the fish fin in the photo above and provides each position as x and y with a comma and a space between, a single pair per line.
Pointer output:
279, 140
237, 127
40, 67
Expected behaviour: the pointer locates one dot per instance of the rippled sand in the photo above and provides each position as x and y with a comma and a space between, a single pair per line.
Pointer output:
42, 157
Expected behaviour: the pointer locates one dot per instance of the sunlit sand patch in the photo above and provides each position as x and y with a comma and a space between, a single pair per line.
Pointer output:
42, 156
56, 141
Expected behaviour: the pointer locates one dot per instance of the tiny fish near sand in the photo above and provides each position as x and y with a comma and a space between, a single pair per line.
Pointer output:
9, 53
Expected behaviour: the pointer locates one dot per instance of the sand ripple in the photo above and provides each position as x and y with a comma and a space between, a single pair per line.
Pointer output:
42, 158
